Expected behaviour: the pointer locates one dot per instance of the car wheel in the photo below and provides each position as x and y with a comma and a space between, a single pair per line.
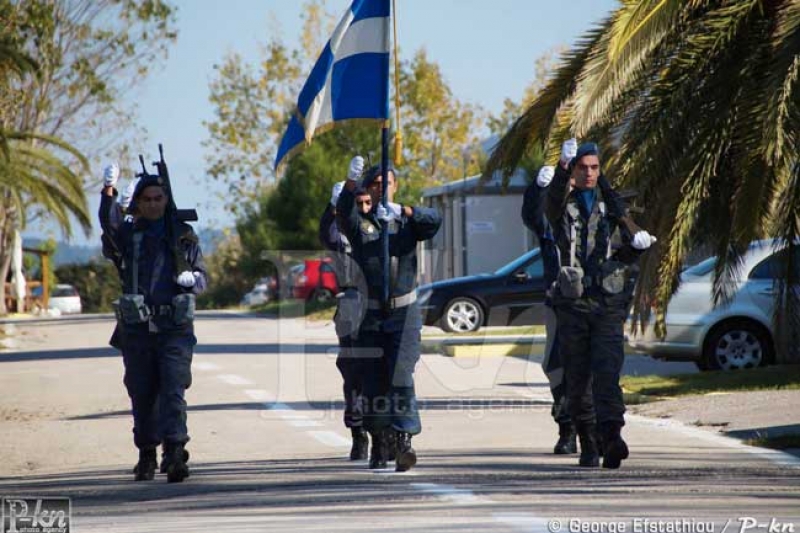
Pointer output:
737, 345
462, 315
322, 296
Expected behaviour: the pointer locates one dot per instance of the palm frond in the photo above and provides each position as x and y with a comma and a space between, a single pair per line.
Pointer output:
533, 127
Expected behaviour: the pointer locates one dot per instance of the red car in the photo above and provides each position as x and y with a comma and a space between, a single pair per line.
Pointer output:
315, 281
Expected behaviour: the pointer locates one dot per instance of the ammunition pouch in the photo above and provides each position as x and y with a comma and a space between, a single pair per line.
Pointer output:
348, 312
613, 277
130, 309
183, 307
570, 282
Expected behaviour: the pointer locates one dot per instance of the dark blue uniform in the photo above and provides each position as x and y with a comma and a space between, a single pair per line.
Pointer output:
533, 215
347, 319
589, 234
389, 339
157, 353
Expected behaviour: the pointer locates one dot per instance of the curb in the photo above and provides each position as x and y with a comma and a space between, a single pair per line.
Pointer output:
486, 346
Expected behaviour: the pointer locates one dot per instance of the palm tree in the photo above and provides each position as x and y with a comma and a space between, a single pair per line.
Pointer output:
33, 171
697, 103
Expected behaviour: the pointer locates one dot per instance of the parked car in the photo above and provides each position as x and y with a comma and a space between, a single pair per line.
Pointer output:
315, 281
728, 337
513, 295
65, 298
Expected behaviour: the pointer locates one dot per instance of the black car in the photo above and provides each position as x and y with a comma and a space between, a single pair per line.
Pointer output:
512, 296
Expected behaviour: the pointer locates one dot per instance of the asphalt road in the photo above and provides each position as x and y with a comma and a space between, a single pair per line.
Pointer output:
269, 450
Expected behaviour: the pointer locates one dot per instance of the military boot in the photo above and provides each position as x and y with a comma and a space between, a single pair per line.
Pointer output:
165, 463
590, 457
614, 448
406, 456
566, 440
177, 470
391, 444
377, 456
360, 449
145, 469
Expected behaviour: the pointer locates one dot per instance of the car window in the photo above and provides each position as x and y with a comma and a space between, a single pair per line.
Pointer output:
535, 269
514, 265
64, 291
701, 269
326, 268
773, 266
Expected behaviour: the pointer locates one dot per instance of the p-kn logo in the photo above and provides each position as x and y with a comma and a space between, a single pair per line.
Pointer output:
35, 515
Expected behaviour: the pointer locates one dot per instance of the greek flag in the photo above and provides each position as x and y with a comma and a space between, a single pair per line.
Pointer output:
350, 80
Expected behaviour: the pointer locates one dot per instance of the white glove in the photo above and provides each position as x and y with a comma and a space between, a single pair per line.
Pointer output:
335, 192
356, 168
387, 214
110, 175
643, 240
568, 151
127, 195
545, 176
186, 279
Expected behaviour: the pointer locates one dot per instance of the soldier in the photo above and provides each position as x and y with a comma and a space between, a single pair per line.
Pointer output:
390, 332
592, 296
349, 313
533, 206
161, 269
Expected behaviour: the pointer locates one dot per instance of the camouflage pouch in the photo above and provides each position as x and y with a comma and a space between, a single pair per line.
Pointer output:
131, 309
613, 277
183, 306
570, 282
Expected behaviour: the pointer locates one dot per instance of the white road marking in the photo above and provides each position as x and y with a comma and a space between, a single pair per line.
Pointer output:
203, 365
258, 395
331, 438
233, 379
304, 423
453, 494
775, 456
523, 521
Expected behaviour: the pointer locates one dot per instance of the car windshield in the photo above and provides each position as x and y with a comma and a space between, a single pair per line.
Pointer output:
64, 291
517, 263
700, 269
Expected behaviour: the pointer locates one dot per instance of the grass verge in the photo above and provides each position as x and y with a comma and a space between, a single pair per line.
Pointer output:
297, 308
642, 389
781, 442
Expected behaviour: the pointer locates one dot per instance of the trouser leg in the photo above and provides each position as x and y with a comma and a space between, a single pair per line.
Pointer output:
554, 369
608, 356
142, 383
376, 381
403, 350
353, 388
574, 336
175, 367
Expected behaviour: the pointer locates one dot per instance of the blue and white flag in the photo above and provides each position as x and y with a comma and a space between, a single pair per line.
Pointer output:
350, 80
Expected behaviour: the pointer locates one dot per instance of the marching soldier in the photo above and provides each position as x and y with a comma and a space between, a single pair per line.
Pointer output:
389, 336
161, 269
593, 292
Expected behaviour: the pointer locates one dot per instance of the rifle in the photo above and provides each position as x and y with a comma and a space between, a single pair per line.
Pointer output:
173, 214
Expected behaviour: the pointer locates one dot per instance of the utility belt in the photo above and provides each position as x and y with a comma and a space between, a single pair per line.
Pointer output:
394, 303
130, 309
613, 279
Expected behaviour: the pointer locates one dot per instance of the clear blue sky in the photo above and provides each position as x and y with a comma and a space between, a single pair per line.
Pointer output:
486, 50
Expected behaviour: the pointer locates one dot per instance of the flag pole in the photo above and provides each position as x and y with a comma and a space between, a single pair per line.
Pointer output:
385, 176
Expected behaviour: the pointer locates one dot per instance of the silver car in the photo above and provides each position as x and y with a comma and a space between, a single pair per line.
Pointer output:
728, 337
